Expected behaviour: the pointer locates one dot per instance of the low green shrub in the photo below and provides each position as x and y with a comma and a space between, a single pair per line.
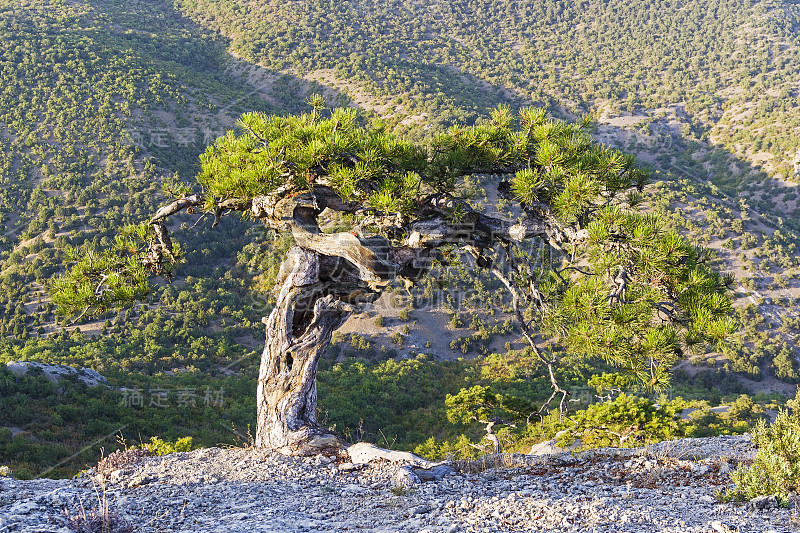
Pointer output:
627, 421
776, 469
458, 448
158, 447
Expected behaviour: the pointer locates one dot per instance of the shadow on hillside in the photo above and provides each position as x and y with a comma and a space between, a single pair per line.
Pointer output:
451, 96
215, 87
664, 146
218, 88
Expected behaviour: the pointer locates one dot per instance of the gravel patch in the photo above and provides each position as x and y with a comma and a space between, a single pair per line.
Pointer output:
668, 487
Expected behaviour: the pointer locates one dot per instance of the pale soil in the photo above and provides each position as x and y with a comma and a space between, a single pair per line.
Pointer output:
360, 97
426, 326
666, 487
624, 121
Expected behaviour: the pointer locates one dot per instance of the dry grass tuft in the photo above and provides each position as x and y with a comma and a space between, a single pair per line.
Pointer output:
101, 519
487, 462
119, 460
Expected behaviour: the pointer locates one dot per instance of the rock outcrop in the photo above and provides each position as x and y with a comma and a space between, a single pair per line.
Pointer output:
56, 373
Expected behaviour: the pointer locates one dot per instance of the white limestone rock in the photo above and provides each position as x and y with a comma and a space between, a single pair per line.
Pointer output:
56, 373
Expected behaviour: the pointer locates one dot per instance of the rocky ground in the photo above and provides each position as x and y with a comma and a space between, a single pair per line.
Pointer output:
665, 487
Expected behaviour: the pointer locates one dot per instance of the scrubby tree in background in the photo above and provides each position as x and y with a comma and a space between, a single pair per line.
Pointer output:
584, 269
480, 404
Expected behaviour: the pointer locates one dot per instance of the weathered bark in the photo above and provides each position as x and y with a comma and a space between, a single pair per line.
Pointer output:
491, 436
328, 271
298, 331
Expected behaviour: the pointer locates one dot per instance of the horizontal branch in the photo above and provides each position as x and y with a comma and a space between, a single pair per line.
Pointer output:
176, 206
439, 220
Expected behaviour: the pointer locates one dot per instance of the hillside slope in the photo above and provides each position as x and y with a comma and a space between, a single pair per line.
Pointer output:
705, 93
730, 66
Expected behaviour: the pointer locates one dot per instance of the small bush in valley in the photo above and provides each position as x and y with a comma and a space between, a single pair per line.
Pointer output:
159, 447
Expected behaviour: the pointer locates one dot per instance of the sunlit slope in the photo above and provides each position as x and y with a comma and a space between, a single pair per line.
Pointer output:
732, 65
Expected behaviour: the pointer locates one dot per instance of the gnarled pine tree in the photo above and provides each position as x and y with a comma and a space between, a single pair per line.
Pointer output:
583, 266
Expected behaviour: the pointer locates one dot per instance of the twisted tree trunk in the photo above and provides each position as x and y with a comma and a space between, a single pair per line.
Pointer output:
326, 273
298, 331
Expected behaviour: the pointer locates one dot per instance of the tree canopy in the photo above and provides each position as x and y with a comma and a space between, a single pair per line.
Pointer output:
586, 267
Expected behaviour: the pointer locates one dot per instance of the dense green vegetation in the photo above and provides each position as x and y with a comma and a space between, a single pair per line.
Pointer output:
710, 82
94, 112
62, 428
729, 65
776, 469
102, 100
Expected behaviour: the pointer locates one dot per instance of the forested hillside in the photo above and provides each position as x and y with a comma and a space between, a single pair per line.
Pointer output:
704, 92
103, 102
730, 65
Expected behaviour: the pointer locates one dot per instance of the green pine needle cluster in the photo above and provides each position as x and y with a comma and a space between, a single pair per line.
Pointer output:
625, 422
555, 162
671, 301
479, 403
113, 278
360, 161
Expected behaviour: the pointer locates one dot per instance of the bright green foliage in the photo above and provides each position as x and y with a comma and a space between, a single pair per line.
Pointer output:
671, 300
459, 448
112, 278
745, 411
159, 447
475, 403
784, 366
628, 421
6, 472
360, 162
571, 171
605, 382
777, 465
479, 403
556, 162
794, 404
